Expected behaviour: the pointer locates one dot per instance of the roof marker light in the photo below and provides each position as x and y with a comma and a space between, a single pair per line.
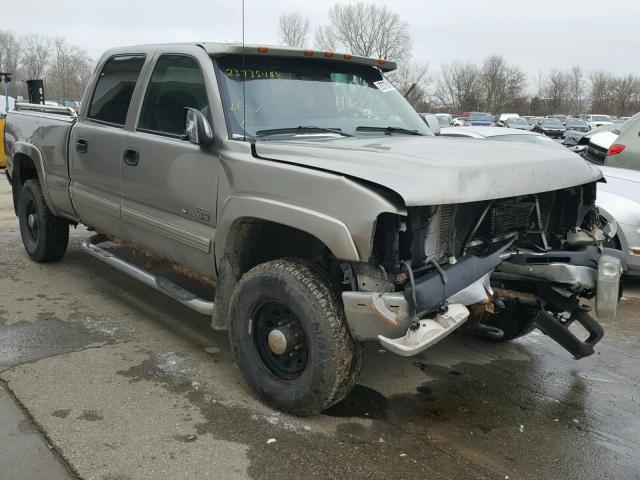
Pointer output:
328, 54
381, 61
308, 52
347, 56
263, 49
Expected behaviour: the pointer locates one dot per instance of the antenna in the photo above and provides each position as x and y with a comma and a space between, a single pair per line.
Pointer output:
244, 84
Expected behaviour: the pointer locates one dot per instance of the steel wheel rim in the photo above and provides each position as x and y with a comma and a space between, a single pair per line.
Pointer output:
31, 220
276, 320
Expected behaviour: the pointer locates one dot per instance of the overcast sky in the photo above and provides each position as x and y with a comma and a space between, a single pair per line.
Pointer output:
536, 34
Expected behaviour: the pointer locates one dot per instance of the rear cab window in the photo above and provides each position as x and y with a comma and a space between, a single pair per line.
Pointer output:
114, 89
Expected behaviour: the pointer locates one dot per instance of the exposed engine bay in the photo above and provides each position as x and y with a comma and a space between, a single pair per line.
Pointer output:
514, 263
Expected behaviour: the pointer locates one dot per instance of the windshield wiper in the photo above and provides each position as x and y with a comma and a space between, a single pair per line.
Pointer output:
389, 130
300, 129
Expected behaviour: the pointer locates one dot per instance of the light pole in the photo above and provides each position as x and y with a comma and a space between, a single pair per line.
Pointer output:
6, 78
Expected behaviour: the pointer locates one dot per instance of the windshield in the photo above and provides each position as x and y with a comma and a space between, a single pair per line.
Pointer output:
285, 93
517, 121
600, 118
551, 122
480, 117
576, 122
443, 121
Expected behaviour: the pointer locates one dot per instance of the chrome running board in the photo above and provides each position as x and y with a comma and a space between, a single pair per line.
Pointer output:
156, 282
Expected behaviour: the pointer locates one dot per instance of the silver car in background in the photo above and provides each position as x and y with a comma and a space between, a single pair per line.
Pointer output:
619, 200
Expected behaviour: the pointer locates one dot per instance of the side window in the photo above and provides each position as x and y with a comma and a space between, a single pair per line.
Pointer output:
177, 82
112, 95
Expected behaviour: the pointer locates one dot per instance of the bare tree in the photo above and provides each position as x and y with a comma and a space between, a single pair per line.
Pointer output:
10, 56
412, 81
366, 30
557, 91
576, 89
293, 30
458, 86
37, 52
70, 69
624, 91
601, 86
500, 85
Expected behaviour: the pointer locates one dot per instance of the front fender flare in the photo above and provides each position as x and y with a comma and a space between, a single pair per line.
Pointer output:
330, 231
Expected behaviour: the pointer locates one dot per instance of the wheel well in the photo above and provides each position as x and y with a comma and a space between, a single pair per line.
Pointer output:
252, 241
24, 169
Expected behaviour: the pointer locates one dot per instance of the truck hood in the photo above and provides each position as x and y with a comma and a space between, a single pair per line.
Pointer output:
439, 170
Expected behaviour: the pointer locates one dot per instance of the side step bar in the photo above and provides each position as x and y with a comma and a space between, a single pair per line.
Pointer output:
156, 282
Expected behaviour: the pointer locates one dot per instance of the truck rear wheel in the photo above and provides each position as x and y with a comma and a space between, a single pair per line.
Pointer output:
290, 339
45, 236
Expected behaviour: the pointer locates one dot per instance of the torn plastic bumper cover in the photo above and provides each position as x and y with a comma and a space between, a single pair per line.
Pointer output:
391, 317
433, 289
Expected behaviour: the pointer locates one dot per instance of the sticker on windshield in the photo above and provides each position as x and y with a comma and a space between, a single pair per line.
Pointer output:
384, 86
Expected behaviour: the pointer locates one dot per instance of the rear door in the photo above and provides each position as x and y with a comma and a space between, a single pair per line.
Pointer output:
169, 184
95, 146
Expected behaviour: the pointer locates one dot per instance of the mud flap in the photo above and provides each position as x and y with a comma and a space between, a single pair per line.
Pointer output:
558, 329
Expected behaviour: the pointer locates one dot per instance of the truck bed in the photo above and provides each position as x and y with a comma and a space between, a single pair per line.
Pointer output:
47, 134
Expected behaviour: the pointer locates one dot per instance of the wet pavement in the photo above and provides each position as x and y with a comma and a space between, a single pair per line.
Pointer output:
127, 384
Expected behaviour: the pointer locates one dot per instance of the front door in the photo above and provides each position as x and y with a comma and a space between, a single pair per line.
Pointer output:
95, 146
169, 185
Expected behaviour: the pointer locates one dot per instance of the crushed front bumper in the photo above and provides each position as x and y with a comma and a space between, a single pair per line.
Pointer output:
387, 317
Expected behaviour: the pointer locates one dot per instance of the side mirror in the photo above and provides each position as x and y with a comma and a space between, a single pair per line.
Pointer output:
432, 123
197, 128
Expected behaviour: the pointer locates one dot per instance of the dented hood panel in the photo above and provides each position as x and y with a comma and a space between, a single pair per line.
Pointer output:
438, 170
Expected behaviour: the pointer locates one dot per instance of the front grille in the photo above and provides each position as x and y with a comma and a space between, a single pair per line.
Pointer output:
511, 217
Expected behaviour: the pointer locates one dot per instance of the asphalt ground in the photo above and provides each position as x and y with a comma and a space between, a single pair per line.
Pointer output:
103, 378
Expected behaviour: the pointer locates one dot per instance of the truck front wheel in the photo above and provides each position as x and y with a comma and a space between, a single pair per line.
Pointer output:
290, 339
45, 236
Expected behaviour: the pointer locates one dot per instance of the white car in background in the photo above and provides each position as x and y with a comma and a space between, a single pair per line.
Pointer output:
619, 199
595, 121
446, 116
500, 134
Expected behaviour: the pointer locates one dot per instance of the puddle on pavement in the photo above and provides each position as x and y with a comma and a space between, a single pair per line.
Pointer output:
46, 337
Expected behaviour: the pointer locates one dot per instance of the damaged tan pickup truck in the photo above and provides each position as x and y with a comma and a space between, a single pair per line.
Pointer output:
305, 187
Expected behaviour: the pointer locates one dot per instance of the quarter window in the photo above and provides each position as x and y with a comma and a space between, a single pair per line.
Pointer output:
177, 83
113, 92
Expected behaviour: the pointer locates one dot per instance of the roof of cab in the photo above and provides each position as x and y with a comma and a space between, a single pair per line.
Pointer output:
218, 49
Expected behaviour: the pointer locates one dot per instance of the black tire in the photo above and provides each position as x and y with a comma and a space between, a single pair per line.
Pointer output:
293, 296
45, 236
516, 320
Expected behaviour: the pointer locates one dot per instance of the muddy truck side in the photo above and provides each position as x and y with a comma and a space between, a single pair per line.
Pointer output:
317, 202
